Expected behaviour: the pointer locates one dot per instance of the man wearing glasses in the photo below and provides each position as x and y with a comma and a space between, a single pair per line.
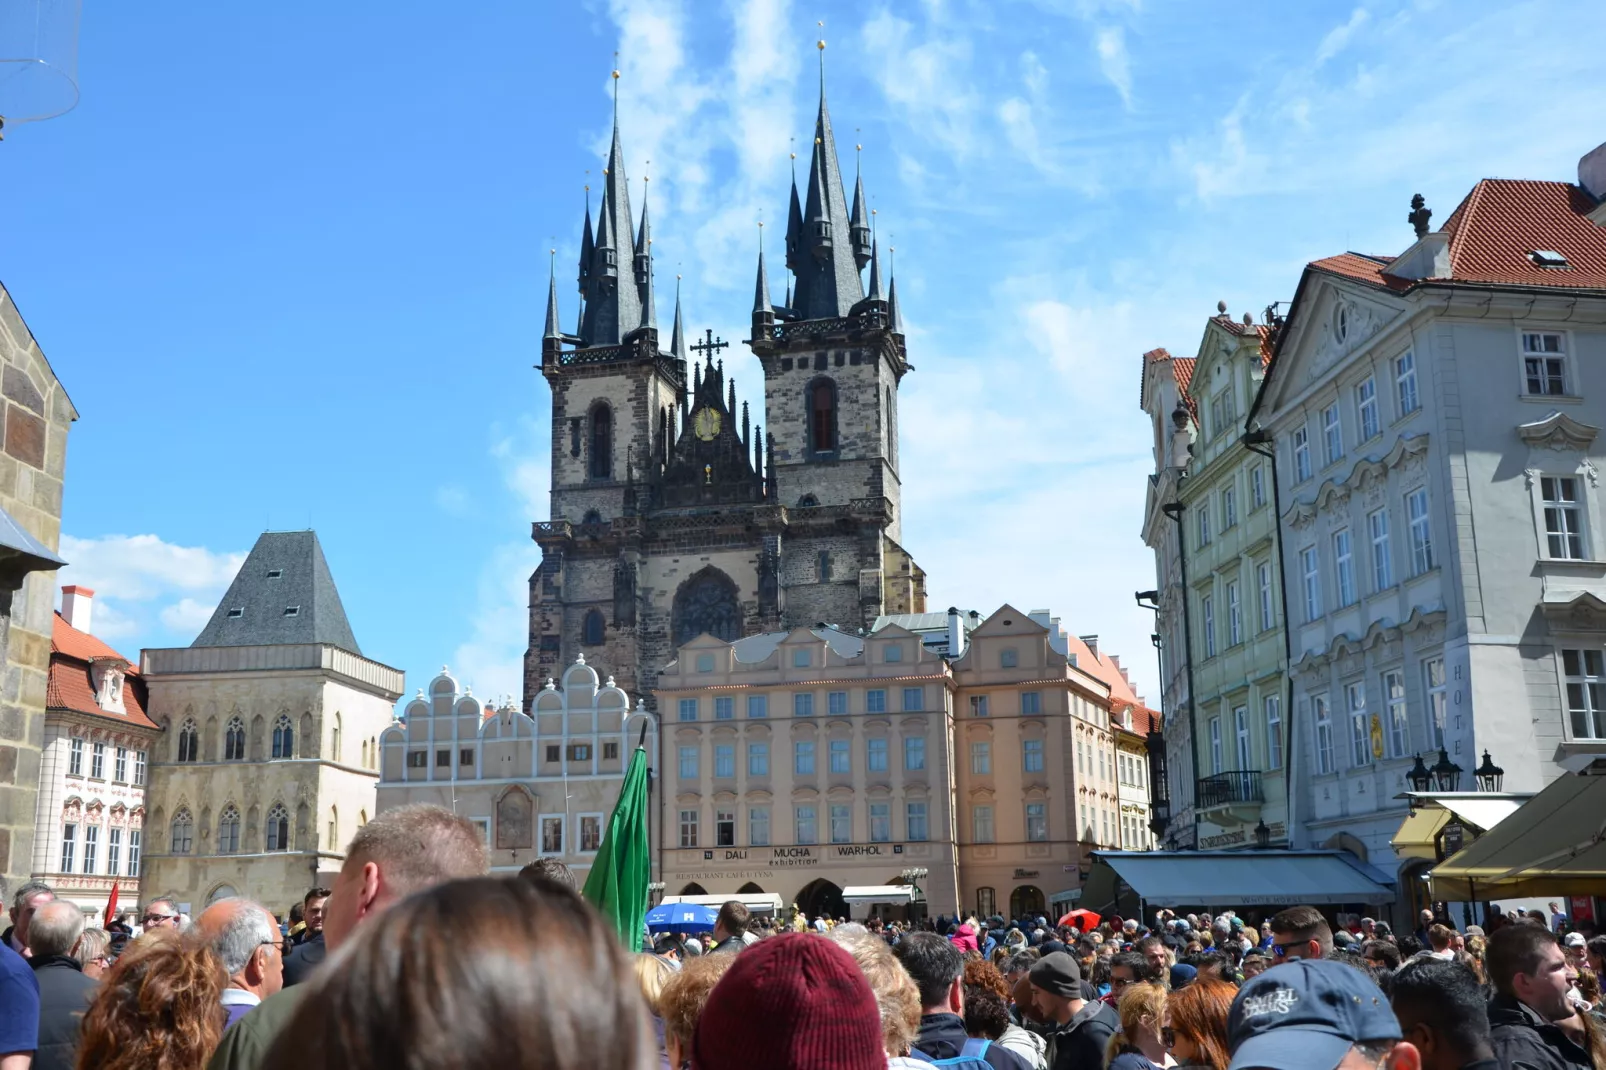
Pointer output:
245, 936
160, 914
1300, 934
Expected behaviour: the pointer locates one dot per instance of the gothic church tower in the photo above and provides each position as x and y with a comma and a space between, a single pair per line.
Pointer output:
672, 513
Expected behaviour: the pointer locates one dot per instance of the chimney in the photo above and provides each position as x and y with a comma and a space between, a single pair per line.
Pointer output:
956, 635
1092, 644
1592, 172
77, 607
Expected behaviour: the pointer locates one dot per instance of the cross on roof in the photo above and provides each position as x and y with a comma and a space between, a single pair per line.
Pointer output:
710, 345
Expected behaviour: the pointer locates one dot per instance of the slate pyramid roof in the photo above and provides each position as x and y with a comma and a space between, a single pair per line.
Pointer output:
283, 594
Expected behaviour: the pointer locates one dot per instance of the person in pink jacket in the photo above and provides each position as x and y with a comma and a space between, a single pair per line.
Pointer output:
965, 938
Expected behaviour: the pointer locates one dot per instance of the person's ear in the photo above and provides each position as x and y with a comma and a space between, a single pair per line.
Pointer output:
956, 995
1404, 1057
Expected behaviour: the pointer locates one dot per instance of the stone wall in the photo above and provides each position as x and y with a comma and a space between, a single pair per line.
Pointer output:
37, 415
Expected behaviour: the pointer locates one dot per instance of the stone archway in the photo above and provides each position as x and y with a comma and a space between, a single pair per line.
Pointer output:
749, 889
693, 888
821, 898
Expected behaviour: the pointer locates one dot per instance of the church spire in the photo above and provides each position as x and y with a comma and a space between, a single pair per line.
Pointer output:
859, 224
588, 245
649, 313
828, 283
894, 320
677, 340
794, 226
613, 305
552, 329
763, 312
875, 273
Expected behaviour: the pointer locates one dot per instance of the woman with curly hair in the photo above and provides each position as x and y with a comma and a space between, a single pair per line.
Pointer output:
984, 976
157, 1008
1195, 1028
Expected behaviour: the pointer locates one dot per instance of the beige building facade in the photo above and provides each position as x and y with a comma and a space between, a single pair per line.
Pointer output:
810, 764
272, 720
536, 786
35, 416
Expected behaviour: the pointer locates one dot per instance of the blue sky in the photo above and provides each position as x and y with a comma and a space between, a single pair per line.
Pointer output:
291, 262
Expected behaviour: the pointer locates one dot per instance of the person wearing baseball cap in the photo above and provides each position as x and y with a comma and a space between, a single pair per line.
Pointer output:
1315, 1014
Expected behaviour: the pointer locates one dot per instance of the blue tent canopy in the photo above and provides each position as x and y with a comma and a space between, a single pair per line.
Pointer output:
681, 918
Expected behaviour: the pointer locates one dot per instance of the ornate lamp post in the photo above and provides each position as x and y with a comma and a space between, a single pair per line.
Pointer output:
38, 59
1490, 776
1446, 774
1421, 780
1262, 835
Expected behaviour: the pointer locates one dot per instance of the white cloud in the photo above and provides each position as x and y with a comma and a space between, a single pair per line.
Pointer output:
146, 589
1339, 37
1116, 65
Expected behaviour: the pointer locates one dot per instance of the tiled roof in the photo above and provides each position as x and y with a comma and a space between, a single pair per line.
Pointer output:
283, 594
69, 686
1182, 368
1360, 267
1503, 220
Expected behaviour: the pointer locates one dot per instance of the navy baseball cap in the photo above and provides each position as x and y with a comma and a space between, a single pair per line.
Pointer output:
1306, 1015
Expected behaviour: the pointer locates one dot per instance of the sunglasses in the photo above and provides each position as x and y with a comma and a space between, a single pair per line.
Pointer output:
1282, 950
156, 919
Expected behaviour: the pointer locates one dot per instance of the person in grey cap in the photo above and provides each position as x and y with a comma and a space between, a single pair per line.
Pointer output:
1080, 1029
1315, 1014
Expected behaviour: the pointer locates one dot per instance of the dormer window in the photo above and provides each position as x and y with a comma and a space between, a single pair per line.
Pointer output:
822, 230
237, 611
292, 611
275, 573
1548, 258
106, 675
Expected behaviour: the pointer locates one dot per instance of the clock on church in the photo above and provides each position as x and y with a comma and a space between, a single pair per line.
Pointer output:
705, 423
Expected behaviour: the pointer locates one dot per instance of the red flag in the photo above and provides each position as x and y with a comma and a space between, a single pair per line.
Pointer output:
111, 906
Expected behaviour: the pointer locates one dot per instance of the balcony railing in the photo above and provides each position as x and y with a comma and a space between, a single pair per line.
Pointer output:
1240, 786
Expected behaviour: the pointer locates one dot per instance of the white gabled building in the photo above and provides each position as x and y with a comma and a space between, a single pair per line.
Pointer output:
1436, 418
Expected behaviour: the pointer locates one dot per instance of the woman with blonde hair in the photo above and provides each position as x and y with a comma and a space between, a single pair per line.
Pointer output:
1138, 1044
682, 1001
652, 974
897, 999
94, 952
157, 1008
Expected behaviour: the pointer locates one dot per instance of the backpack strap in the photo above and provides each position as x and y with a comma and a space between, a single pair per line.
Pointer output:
975, 1047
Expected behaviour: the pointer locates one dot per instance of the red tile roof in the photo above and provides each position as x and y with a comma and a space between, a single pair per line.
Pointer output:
1503, 220
1360, 267
1182, 368
69, 686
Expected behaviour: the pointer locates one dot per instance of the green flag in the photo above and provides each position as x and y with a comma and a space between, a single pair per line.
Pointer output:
617, 884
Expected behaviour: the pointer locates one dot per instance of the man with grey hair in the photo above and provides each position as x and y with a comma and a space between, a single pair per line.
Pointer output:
160, 913
247, 939
64, 991
29, 898
399, 852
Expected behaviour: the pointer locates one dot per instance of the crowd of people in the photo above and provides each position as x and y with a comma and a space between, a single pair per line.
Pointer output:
434, 964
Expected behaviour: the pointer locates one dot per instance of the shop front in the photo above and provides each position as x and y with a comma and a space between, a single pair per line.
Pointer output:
837, 880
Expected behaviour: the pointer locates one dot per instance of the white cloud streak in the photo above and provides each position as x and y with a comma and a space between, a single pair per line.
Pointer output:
147, 589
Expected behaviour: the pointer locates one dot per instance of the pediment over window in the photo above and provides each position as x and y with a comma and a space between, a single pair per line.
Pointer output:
1576, 609
1558, 431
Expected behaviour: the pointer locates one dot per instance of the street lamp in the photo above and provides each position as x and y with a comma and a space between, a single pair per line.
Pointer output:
1490, 776
38, 59
1262, 835
1446, 773
1421, 780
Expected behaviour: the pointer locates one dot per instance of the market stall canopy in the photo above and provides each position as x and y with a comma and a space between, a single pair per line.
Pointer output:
1235, 878
758, 902
1431, 811
1555, 844
879, 893
682, 918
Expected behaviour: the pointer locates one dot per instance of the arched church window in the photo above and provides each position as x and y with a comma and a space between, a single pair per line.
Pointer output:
594, 630
707, 602
234, 740
228, 831
591, 517
183, 833
278, 830
601, 441
189, 742
822, 415
808, 501
284, 738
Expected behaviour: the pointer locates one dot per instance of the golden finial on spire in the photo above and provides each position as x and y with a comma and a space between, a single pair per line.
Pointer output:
794, 155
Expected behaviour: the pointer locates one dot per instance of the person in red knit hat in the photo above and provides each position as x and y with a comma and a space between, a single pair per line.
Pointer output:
792, 1002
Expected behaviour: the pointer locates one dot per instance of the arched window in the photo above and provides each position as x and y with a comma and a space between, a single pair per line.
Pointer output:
334, 827
595, 628
515, 820
284, 737
278, 830
601, 441
183, 839
808, 501
707, 602
821, 408
591, 517
189, 741
234, 740
228, 831
334, 740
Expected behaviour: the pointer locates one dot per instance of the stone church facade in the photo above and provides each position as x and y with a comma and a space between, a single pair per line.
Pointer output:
673, 513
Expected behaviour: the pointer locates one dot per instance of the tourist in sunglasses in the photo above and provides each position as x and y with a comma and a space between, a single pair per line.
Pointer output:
1195, 1027
1300, 934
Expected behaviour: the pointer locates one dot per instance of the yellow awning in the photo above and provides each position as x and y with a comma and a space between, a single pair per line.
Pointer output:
1555, 844
1417, 832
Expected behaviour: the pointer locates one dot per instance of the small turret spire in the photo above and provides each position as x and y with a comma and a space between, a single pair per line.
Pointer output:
677, 340
761, 290
794, 225
552, 329
875, 274
894, 320
588, 245
859, 221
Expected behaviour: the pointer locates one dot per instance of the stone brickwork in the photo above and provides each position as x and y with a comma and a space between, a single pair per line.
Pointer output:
36, 415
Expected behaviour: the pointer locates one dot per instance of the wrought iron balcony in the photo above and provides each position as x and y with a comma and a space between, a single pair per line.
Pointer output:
1225, 789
